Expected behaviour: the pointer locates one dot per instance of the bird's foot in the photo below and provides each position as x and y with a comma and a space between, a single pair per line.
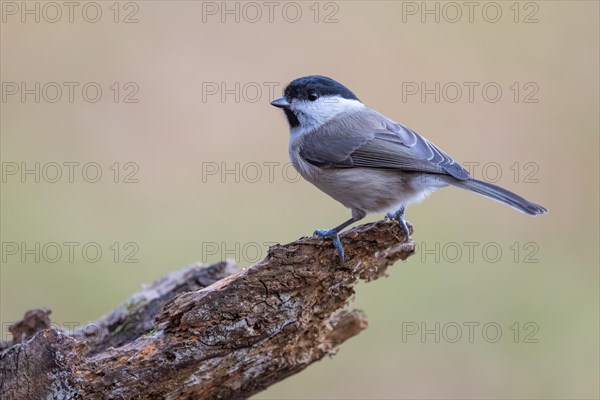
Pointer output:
403, 225
398, 216
335, 239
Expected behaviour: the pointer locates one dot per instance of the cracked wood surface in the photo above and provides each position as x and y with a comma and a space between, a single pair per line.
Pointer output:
207, 331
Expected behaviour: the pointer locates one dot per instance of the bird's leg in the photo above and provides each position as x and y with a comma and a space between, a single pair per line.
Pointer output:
399, 216
334, 233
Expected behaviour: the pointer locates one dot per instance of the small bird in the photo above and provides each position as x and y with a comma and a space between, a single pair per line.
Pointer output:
366, 161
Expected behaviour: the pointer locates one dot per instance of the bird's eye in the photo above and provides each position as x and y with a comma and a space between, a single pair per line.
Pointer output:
313, 95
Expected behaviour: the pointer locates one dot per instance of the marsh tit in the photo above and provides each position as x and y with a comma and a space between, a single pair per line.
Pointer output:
366, 161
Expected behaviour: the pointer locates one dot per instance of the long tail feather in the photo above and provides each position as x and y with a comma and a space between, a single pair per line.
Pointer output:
499, 194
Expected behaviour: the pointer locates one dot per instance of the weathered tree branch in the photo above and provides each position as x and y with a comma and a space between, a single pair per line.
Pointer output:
207, 331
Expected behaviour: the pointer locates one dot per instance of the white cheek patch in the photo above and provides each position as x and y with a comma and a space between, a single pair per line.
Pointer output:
313, 114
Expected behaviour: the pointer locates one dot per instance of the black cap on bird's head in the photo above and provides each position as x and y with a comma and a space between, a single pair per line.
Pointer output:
311, 88
301, 88
307, 90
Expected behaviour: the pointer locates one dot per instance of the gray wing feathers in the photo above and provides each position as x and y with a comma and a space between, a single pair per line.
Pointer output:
334, 146
427, 152
368, 139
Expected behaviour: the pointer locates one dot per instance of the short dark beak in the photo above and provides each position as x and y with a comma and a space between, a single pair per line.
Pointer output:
280, 103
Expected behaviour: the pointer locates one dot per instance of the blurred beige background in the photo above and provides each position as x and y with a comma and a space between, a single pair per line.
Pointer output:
542, 134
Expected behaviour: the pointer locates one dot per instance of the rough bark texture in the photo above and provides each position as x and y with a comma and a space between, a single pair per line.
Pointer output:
207, 331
